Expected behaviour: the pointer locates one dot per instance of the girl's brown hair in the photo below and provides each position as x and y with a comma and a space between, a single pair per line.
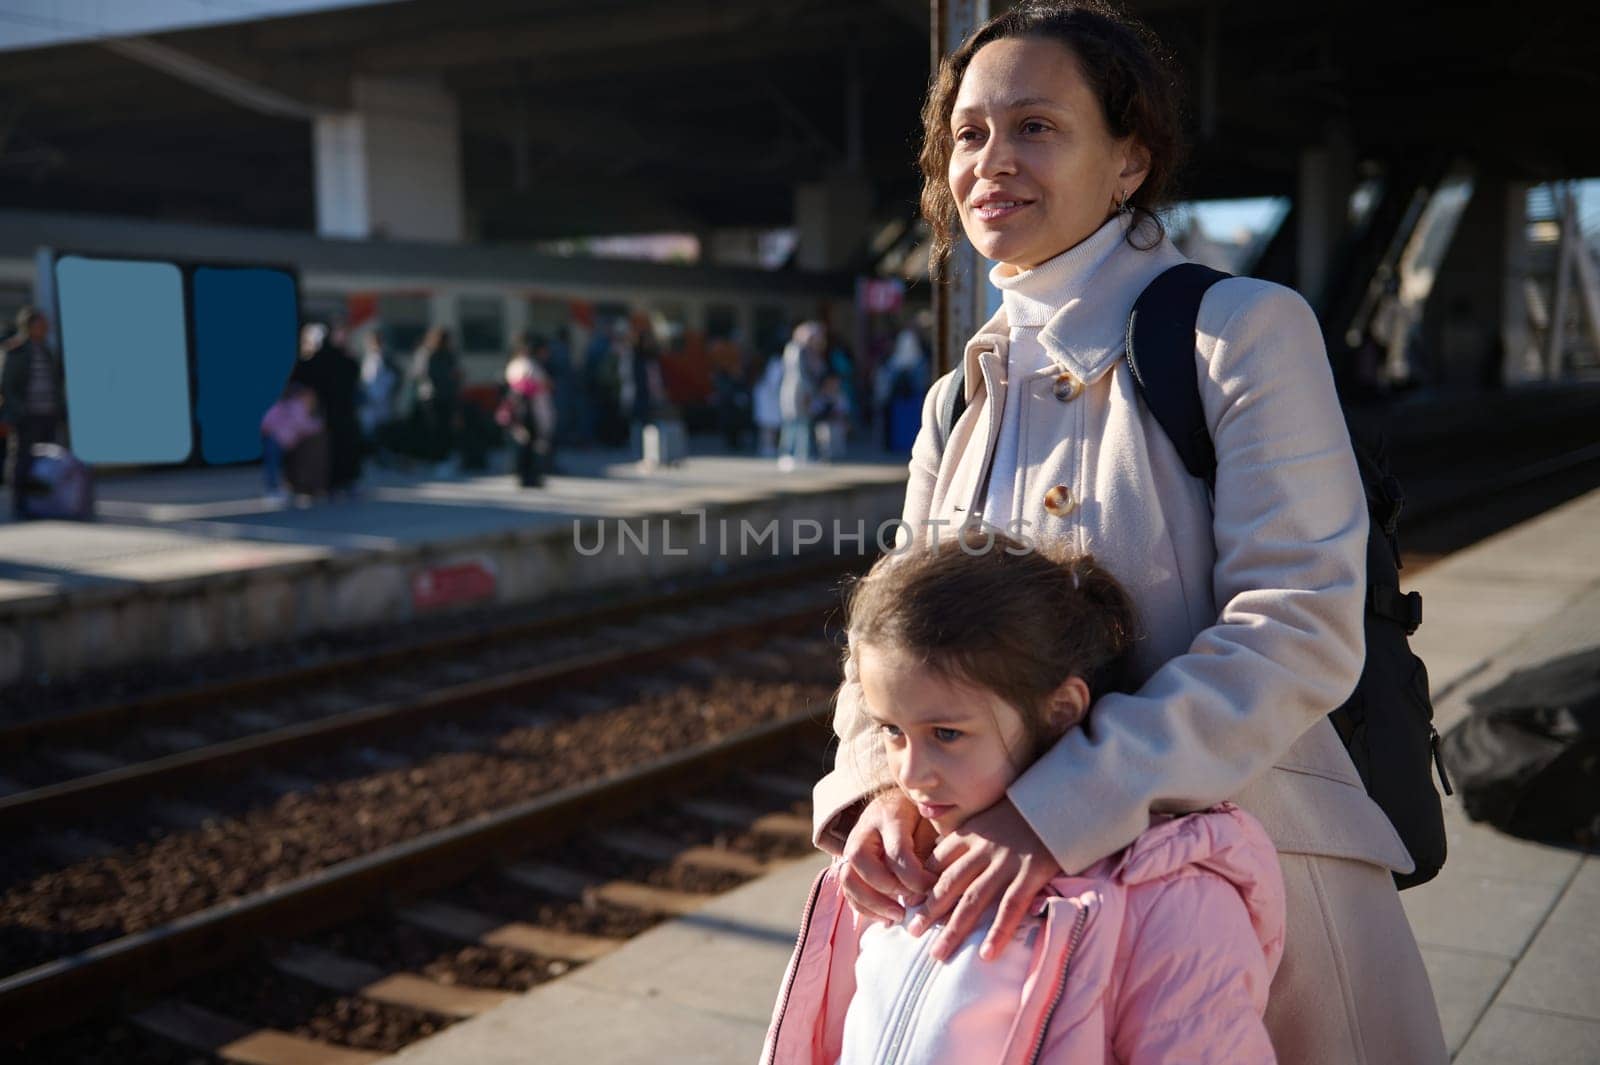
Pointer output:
1125, 66
984, 609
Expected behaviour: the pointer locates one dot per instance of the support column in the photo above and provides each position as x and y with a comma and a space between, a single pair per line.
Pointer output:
1464, 318
1322, 213
1520, 361
959, 298
391, 167
833, 217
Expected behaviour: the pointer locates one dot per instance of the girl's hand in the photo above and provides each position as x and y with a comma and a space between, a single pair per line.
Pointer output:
881, 858
994, 855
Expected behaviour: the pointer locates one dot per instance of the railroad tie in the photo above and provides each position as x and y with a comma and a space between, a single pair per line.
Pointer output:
737, 815
470, 926
68, 846
230, 1040
180, 813
571, 884
699, 666
175, 739
653, 847
83, 762
784, 785
256, 720
348, 976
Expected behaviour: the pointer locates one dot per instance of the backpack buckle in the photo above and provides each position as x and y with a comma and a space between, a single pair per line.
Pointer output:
1403, 609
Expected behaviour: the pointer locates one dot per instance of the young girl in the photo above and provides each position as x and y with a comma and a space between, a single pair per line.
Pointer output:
974, 657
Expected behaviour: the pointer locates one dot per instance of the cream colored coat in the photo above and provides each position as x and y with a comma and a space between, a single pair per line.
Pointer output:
1251, 610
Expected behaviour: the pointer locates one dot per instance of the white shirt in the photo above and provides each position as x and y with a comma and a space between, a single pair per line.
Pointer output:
912, 1010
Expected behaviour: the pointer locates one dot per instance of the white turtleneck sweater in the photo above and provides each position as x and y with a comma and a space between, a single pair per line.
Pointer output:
1031, 298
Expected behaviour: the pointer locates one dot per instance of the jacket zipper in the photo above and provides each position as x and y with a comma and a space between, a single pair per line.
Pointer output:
1061, 985
920, 978
794, 968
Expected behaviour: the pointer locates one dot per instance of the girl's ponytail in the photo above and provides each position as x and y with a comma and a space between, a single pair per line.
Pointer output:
1110, 628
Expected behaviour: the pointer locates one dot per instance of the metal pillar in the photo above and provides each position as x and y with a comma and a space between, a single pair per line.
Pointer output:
1516, 337
1574, 266
957, 298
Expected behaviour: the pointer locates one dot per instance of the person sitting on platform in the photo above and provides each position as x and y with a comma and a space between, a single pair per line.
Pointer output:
294, 446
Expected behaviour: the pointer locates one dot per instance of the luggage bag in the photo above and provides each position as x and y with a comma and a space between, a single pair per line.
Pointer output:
59, 485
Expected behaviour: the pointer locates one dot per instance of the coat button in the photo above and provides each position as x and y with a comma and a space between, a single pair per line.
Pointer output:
1067, 387
1059, 502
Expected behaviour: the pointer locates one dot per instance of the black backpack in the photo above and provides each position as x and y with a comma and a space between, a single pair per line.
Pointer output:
1387, 723
1527, 759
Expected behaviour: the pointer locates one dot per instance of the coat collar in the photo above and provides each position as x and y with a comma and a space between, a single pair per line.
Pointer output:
1086, 335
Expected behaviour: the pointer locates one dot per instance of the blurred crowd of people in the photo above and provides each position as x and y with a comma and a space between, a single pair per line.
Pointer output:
350, 401
585, 386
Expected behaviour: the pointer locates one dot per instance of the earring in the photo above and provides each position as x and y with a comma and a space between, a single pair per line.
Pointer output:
1122, 203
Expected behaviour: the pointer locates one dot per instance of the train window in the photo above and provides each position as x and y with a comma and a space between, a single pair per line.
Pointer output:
771, 328
722, 321
547, 317
404, 320
483, 323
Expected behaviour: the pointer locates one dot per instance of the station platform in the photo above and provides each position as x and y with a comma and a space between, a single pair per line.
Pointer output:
186, 563
1510, 930
189, 562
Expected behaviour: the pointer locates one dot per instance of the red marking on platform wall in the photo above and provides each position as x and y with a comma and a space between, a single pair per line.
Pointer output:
456, 585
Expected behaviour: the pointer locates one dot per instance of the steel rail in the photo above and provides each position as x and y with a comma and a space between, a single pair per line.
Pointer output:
146, 964
86, 794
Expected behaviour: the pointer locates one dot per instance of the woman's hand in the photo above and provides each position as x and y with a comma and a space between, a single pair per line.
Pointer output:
994, 855
882, 858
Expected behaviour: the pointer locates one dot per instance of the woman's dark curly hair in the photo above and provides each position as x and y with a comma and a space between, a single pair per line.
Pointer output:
1126, 67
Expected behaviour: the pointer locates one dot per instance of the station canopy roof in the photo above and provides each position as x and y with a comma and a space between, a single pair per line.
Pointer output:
596, 116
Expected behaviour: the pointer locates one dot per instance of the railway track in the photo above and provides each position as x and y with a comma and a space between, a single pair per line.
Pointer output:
53, 768
96, 979
630, 875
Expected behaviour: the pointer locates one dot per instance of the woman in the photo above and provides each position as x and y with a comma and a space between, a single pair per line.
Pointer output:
1050, 135
527, 412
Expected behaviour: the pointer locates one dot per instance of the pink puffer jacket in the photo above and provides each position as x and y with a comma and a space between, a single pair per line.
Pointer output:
1161, 953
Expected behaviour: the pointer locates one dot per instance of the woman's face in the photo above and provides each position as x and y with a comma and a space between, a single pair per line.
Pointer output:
1033, 168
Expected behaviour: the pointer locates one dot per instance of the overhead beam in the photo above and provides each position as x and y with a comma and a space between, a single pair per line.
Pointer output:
662, 26
214, 79
818, 37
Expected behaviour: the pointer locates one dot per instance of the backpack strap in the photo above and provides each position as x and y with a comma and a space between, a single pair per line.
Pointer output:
953, 403
1160, 352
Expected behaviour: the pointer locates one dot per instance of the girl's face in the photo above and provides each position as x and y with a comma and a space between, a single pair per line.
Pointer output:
1033, 168
953, 748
